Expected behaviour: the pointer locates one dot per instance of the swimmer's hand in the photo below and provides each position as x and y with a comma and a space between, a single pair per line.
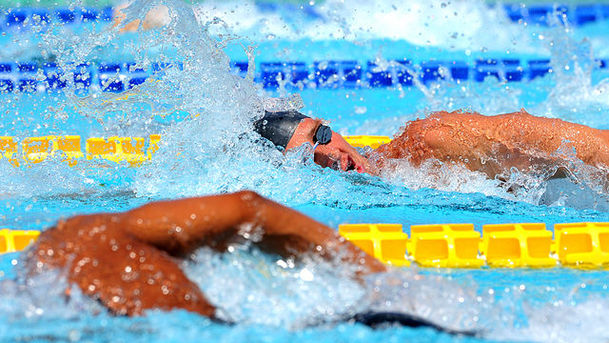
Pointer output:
337, 154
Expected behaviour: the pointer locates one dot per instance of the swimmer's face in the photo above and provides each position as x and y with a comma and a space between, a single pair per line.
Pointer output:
337, 154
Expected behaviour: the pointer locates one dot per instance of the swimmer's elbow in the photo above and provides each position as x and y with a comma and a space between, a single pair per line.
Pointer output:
250, 203
249, 196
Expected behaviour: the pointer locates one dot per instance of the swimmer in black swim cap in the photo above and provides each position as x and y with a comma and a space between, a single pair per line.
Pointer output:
493, 145
290, 129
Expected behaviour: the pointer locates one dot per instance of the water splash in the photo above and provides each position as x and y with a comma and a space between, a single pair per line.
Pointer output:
575, 95
468, 25
564, 321
251, 287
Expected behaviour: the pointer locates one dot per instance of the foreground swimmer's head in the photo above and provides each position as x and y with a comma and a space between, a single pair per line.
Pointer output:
291, 129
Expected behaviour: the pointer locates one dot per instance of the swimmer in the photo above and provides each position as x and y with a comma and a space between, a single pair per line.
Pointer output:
129, 261
492, 145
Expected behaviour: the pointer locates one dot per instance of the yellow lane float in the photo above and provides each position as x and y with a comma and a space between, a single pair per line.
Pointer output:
386, 242
133, 150
529, 245
582, 244
364, 141
445, 245
16, 240
517, 245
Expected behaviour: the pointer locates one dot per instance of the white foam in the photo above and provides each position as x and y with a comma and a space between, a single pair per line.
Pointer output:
467, 25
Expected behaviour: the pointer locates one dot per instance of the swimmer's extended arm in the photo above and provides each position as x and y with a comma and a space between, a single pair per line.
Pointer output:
493, 144
180, 226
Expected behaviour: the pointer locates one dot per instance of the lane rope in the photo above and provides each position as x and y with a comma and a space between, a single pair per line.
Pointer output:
521, 245
119, 77
131, 150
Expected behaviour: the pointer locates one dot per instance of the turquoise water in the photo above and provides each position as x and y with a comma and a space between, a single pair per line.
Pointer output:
219, 154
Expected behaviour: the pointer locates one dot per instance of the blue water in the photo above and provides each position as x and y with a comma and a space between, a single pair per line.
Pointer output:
217, 154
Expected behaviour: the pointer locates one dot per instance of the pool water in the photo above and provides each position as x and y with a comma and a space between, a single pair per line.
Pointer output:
216, 152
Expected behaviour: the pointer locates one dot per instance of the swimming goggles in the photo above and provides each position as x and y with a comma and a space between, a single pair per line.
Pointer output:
323, 135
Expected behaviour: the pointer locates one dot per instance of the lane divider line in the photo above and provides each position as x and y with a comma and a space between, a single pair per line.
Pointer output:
132, 150
118, 77
516, 245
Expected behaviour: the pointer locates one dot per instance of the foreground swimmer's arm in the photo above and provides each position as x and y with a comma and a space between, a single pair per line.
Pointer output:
121, 259
495, 144
114, 259
180, 226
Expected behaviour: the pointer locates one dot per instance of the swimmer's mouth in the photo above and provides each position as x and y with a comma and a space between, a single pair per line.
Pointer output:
336, 165
350, 165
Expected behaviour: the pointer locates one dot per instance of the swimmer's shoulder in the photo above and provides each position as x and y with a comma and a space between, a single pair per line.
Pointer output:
84, 225
78, 230
70, 237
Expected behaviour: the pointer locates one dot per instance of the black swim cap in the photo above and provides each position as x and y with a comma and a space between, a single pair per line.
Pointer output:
279, 127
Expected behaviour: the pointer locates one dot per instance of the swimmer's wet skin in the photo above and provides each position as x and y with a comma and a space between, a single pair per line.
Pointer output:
127, 260
488, 144
495, 144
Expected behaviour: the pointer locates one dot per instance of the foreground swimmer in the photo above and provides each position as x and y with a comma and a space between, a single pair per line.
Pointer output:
489, 144
127, 261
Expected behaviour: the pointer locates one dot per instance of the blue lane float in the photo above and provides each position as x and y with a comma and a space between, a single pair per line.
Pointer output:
545, 14
18, 18
25, 77
334, 74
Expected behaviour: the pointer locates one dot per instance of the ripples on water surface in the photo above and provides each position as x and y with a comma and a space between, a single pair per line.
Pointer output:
216, 152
